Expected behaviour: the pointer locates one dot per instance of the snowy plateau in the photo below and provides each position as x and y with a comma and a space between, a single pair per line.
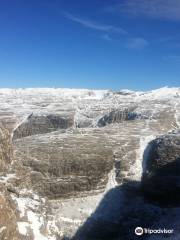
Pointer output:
80, 164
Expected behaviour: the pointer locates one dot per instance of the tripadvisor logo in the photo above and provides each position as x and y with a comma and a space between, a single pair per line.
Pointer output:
139, 231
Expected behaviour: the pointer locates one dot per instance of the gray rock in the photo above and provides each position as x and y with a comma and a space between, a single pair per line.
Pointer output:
5, 148
161, 176
117, 116
59, 178
43, 124
8, 216
62, 165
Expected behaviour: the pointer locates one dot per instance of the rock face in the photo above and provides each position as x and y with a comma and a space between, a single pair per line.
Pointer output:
161, 175
8, 212
8, 217
117, 117
35, 124
77, 159
5, 148
61, 165
124, 208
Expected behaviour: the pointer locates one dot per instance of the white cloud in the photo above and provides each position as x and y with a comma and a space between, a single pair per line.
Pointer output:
94, 25
162, 9
137, 43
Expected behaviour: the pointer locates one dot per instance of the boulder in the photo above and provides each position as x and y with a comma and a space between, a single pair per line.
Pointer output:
161, 170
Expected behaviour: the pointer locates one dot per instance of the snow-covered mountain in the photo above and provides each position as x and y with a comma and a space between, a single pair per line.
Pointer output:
72, 162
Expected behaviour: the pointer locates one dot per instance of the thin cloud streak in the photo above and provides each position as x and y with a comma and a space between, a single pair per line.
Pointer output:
94, 25
137, 43
155, 9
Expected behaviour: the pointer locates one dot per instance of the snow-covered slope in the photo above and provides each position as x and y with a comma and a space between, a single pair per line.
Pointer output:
61, 137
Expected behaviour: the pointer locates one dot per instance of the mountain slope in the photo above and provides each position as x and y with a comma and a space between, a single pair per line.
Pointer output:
73, 147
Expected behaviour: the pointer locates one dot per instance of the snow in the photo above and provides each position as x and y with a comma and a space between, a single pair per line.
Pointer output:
144, 141
22, 226
164, 92
7, 177
136, 169
177, 113
161, 93
27, 207
111, 180
51, 226
35, 223
62, 92
2, 229
69, 220
22, 102
126, 91
20, 122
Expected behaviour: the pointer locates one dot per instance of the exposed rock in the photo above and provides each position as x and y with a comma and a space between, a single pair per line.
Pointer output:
116, 116
118, 214
59, 178
8, 217
161, 176
35, 124
5, 148
8, 213
61, 165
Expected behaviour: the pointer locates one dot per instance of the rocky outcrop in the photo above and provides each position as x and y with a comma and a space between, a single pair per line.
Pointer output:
35, 124
71, 154
125, 207
161, 176
117, 116
5, 148
8, 213
8, 217
59, 164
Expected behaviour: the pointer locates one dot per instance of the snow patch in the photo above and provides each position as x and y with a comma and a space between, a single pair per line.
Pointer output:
62, 92
36, 222
22, 226
136, 169
28, 208
177, 113
69, 220
7, 177
111, 180
161, 93
2, 229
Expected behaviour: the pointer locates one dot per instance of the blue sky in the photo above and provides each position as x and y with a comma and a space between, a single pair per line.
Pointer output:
99, 44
